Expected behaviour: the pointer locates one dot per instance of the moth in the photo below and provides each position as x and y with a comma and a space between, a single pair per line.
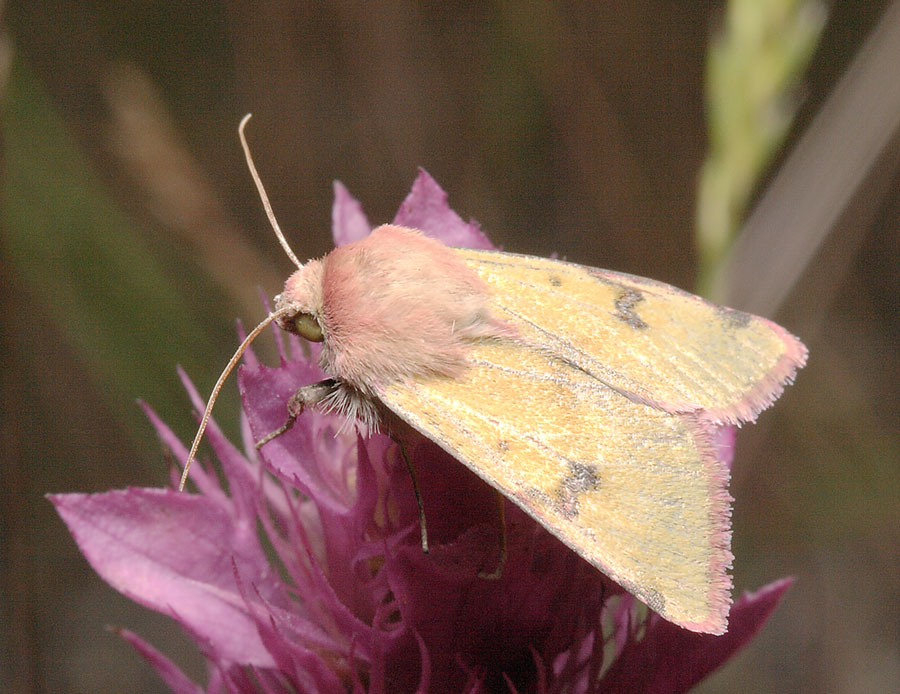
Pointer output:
587, 397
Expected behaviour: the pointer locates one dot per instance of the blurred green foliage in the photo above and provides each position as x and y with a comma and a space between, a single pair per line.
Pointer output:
94, 277
754, 67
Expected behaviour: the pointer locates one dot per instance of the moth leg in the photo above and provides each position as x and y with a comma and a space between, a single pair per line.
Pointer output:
306, 396
501, 518
415, 482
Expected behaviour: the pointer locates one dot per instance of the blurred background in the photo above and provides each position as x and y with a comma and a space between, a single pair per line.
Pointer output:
748, 150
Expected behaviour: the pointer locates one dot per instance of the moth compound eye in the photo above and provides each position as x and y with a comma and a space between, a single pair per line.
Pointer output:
308, 327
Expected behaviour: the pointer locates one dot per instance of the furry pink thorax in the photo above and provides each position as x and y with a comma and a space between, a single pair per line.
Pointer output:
394, 305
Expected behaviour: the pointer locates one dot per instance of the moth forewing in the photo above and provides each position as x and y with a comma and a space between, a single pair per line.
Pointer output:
598, 419
651, 341
635, 490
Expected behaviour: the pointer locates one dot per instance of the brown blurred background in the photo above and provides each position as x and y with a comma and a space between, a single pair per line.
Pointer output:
133, 237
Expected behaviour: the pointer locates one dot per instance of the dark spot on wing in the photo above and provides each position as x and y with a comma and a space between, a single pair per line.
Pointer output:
503, 445
555, 280
564, 499
625, 303
581, 478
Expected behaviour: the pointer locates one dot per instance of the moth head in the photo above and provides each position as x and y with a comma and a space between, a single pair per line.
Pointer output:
299, 306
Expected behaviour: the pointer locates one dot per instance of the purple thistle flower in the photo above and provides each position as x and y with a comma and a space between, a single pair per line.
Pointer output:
304, 571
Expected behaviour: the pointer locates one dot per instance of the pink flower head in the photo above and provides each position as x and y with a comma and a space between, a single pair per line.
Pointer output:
304, 572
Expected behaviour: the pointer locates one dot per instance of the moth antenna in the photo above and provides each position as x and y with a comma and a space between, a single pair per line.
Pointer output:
215, 392
262, 193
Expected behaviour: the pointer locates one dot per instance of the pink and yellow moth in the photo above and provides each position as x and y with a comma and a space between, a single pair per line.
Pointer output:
589, 398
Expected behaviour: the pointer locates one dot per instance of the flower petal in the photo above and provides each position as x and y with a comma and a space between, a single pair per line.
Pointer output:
348, 221
426, 208
303, 457
546, 599
672, 659
170, 673
173, 552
